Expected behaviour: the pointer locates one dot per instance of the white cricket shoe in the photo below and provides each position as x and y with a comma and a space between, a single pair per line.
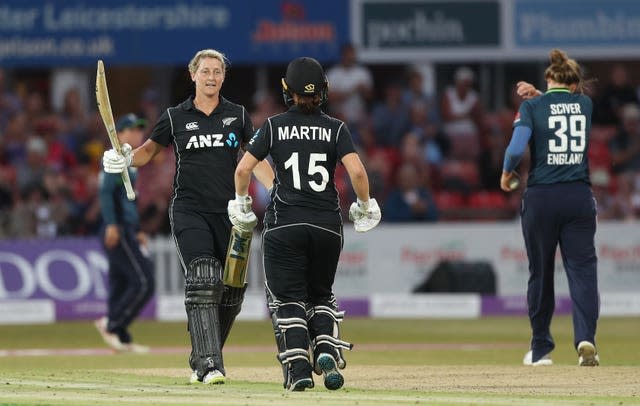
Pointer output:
112, 340
587, 355
212, 377
137, 348
544, 361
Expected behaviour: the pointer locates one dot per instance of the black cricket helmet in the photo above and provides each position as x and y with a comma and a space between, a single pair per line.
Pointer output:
305, 77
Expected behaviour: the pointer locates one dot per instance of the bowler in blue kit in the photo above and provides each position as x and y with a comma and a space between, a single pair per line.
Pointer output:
558, 207
131, 273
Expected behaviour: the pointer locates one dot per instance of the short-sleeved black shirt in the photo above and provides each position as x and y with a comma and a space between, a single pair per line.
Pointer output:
206, 149
305, 149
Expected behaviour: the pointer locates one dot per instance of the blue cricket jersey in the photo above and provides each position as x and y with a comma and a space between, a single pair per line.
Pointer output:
560, 122
114, 205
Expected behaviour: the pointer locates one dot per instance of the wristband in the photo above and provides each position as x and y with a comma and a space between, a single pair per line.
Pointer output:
363, 204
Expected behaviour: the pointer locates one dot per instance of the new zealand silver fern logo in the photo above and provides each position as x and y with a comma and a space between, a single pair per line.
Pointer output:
232, 141
228, 120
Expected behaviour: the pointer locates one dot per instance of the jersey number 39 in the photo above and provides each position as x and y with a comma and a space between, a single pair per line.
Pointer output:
314, 168
576, 124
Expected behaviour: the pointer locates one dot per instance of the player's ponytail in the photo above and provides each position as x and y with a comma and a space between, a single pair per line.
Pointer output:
558, 57
564, 70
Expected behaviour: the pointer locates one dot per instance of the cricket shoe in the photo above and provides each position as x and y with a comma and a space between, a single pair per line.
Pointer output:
587, 355
112, 340
299, 376
301, 384
137, 348
542, 362
333, 380
213, 377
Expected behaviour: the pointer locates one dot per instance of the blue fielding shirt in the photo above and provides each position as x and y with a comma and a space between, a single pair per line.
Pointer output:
558, 124
114, 205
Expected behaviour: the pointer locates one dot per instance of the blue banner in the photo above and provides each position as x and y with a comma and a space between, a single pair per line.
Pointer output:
144, 32
577, 23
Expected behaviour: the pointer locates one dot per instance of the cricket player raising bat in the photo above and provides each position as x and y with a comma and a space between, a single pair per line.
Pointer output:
206, 132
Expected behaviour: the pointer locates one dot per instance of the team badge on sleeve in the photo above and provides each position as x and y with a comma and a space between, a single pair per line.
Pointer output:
254, 136
516, 120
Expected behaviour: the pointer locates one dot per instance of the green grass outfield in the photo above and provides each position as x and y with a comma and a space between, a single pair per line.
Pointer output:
394, 362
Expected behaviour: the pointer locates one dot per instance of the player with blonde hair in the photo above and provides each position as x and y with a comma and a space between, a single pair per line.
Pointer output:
206, 132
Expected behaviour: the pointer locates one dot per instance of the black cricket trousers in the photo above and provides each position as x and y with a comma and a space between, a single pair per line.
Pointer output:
199, 234
131, 282
300, 261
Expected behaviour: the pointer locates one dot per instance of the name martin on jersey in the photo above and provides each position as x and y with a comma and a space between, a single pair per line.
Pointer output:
304, 132
564, 158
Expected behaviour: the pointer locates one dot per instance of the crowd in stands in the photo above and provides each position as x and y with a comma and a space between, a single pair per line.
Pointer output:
431, 156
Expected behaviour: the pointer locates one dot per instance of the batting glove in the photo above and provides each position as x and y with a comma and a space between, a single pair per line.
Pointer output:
240, 213
365, 214
113, 162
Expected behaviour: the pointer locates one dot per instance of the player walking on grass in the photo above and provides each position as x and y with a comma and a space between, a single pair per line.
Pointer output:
206, 132
131, 279
558, 206
303, 236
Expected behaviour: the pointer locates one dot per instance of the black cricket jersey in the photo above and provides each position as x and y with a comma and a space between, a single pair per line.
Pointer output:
206, 149
560, 122
305, 149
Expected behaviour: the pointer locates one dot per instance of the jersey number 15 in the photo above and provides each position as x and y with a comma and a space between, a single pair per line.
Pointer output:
576, 124
313, 168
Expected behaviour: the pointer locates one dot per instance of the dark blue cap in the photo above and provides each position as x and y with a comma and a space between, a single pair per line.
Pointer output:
130, 121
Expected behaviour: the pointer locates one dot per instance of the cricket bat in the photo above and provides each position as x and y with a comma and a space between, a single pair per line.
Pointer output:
235, 265
104, 106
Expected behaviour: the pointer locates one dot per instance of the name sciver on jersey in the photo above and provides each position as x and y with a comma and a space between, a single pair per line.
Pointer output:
565, 158
565, 108
299, 132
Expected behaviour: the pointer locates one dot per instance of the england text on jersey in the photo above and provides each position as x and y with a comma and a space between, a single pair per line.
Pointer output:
564, 159
304, 132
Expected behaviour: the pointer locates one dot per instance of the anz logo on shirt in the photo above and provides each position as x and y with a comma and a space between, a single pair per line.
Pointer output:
212, 141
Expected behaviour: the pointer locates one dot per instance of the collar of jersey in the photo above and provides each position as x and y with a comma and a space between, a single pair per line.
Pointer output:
191, 106
295, 108
558, 90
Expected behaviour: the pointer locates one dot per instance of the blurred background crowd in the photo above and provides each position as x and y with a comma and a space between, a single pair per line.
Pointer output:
432, 146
